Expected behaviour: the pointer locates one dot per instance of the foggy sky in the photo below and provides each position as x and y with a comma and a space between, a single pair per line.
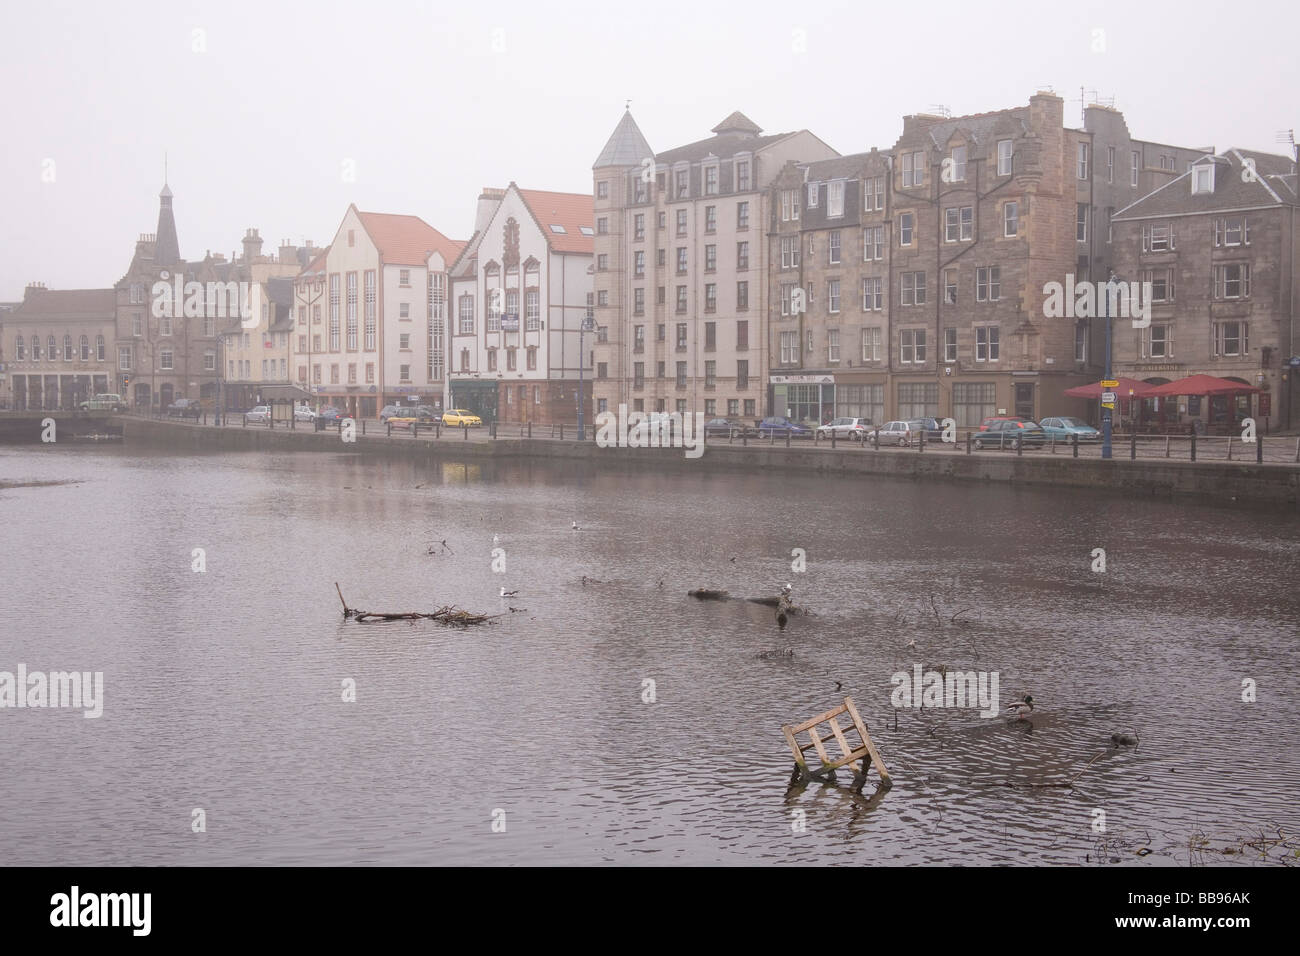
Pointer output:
258, 125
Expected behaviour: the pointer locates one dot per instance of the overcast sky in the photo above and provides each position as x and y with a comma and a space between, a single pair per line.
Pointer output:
260, 106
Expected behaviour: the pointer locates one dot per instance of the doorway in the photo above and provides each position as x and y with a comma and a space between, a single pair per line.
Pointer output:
1025, 400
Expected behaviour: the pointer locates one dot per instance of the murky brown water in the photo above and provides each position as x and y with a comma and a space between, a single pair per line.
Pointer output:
223, 688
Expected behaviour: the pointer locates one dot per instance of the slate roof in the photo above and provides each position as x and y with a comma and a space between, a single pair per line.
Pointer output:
66, 303
1273, 184
626, 146
839, 167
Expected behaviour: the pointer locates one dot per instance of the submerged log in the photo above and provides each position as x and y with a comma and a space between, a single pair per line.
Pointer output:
447, 614
709, 594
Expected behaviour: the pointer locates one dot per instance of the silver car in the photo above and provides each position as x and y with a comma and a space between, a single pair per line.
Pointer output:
899, 433
304, 413
260, 414
850, 428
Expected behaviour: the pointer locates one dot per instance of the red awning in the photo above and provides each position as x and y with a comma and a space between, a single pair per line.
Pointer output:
1203, 385
1093, 391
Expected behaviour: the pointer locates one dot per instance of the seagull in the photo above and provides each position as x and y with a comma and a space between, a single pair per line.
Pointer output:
505, 593
496, 539
912, 643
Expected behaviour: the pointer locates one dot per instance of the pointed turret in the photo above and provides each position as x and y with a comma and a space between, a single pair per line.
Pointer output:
626, 146
167, 251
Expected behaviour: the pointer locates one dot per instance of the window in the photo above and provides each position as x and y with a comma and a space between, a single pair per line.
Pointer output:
873, 243
404, 278
711, 374
681, 336
602, 190
602, 370
659, 369
69, 353
492, 359
789, 252
789, 205
986, 343
711, 258
710, 336
958, 223
165, 325
950, 345
1004, 157
918, 400
873, 193
1232, 281
835, 199
602, 262
742, 176
638, 375
681, 298
789, 348
833, 345
99, 348
972, 402
911, 347
602, 298
661, 258
710, 297
352, 311
165, 359
742, 255
1230, 338
681, 222
136, 296
683, 183
814, 192
681, 260
905, 228
913, 288
403, 373
1162, 284
662, 220
1158, 341
742, 215
913, 169
1010, 220
466, 314
733, 407
950, 286
861, 401
1202, 179
1234, 231
316, 373
833, 295
1136, 165
711, 181
404, 342
638, 263
787, 294
833, 247
136, 324
873, 299
404, 310
1110, 164
742, 335
681, 374
512, 360
20, 350
1081, 342
640, 189
957, 166
988, 284
871, 345
660, 295
638, 301
533, 310
1158, 237
123, 355
1081, 222
1082, 164
638, 227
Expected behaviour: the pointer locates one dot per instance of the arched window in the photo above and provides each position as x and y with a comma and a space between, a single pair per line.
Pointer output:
36, 348
51, 349
68, 353
99, 348
20, 350
85, 348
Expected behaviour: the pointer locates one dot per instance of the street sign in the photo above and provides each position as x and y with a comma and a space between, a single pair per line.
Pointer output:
1109, 383
1107, 404
1108, 398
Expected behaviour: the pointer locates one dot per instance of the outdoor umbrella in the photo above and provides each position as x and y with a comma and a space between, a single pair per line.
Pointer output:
1203, 385
1093, 391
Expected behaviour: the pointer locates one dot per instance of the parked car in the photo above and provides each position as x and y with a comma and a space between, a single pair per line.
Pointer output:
258, 414
726, 427
899, 433
104, 402
185, 408
1065, 427
851, 428
303, 413
460, 416
1010, 434
984, 425
779, 427
330, 415
932, 427
401, 411
403, 419
427, 414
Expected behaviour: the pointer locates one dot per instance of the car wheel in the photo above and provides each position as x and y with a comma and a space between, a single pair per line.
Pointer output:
979, 444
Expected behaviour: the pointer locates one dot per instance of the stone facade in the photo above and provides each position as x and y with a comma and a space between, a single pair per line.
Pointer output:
57, 348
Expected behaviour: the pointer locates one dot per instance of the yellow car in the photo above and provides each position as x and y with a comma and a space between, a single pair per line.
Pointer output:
455, 417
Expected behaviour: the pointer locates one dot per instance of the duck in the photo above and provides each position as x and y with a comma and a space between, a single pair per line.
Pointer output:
505, 593
1022, 709
575, 526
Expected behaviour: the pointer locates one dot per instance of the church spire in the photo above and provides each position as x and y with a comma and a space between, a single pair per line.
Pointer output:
167, 251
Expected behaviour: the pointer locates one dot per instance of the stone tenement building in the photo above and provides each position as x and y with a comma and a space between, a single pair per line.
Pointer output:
1218, 245
910, 282
680, 249
57, 347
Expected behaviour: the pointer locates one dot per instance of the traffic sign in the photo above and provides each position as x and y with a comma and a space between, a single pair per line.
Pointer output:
1109, 383
1108, 398
1107, 404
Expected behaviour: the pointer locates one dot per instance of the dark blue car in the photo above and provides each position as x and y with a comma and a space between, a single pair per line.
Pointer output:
779, 427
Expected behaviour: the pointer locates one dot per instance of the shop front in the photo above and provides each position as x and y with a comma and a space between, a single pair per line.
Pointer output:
480, 398
809, 399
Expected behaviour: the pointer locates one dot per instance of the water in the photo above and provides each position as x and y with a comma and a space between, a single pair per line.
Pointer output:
223, 689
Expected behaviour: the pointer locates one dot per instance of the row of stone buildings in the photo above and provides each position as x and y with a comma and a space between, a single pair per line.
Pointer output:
741, 275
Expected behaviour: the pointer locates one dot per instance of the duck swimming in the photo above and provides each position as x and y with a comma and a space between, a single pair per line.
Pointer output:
1022, 709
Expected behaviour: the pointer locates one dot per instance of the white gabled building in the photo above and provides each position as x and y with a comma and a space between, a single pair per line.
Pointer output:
519, 293
367, 332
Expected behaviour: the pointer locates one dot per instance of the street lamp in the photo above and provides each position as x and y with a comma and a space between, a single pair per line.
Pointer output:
585, 326
1106, 413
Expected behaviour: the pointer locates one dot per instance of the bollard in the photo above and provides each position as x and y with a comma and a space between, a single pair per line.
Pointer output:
832, 438
771, 436
363, 426
1193, 446
389, 426
466, 428
1229, 448
530, 429
920, 445
1259, 449
744, 439
1133, 446
561, 431
787, 438
968, 437
270, 421
494, 431
245, 419
205, 416
875, 438
1020, 447
1053, 449
1166, 446
1075, 444
437, 429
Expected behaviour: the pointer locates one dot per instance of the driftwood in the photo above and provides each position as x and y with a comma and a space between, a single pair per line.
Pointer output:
709, 594
447, 614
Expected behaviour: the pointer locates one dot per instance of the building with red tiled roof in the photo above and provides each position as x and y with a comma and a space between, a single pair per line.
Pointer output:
520, 292
371, 314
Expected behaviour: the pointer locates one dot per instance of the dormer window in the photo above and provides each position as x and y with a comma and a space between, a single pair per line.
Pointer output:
957, 167
1203, 179
813, 190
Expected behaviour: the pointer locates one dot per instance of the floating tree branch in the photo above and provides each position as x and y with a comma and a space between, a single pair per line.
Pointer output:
447, 614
